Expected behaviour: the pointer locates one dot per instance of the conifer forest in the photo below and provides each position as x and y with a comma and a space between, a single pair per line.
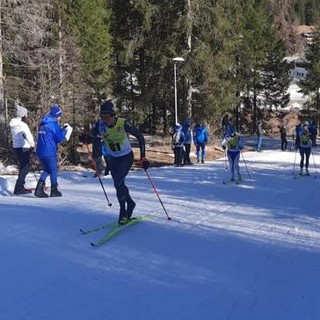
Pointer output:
78, 52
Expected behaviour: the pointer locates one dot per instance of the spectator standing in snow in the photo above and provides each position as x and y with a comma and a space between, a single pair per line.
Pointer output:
23, 144
313, 129
186, 129
298, 130
114, 133
178, 139
200, 139
304, 148
283, 136
260, 133
50, 134
233, 143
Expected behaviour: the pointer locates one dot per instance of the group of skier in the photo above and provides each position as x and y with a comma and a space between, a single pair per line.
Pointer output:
109, 137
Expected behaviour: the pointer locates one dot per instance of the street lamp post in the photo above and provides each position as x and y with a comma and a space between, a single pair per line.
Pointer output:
175, 61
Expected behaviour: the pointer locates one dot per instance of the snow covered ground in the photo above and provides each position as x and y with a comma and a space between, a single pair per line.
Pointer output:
230, 252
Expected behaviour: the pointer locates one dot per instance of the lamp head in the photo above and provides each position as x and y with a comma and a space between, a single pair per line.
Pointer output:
178, 59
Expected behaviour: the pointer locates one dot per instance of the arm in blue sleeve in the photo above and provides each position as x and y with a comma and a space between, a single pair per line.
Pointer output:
60, 133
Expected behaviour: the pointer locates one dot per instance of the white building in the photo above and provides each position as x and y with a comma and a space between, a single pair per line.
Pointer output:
297, 69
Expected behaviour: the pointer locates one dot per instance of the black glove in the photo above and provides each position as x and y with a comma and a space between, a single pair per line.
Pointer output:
145, 164
224, 147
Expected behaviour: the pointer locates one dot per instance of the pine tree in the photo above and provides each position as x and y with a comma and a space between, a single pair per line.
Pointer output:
275, 78
311, 85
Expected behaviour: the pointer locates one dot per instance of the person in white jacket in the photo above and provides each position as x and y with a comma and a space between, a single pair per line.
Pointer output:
23, 143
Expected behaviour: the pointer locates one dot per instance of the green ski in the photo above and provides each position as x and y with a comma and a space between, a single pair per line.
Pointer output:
105, 226
116, 230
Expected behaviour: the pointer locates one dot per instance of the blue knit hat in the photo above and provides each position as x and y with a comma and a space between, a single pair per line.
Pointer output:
55, 111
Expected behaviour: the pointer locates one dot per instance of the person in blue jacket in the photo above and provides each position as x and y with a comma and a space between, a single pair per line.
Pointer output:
50, 134
200, 139
186, 129
233, 142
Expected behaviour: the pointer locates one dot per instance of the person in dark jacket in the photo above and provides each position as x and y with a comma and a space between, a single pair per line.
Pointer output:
305, 144
178, 140
298, 130
186, 129
50, 134
313, 129
114, 134
99, 152
283, 136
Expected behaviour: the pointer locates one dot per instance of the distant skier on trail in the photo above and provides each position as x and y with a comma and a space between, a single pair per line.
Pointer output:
304, 148
233, 142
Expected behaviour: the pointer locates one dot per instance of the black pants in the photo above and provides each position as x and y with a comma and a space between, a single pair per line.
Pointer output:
119, 168
186, 159
304, 152
178, 155
23, 157
284, 143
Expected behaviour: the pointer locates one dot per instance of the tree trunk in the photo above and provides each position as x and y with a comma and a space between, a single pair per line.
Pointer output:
3, 138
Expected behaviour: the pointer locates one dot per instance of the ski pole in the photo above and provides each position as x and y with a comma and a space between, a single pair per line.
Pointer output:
156, 192
30, 160
225, 159
245, 164
95, 168
294, 163
314, 162
31, 166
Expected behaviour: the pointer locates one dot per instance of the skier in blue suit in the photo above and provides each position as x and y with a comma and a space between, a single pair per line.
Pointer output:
233, 142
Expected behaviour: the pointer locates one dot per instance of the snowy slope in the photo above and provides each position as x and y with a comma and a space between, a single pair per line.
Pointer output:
230, 252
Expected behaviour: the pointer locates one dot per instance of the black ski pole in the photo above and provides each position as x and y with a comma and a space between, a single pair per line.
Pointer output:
31, 165
225, 159
244, 161
314, 162
156, 192
30, 160
294, 163
95, 168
